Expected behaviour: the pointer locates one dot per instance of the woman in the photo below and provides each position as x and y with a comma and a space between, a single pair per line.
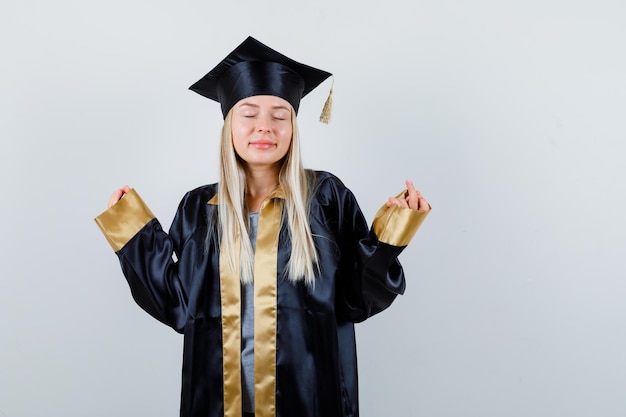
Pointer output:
273, 266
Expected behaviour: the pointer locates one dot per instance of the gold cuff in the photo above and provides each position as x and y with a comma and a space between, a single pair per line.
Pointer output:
124, 219
397, 225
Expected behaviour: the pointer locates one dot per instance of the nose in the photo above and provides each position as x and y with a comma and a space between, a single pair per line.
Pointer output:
264, 124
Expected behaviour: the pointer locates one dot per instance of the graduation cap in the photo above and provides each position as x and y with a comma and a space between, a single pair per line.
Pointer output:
254, 69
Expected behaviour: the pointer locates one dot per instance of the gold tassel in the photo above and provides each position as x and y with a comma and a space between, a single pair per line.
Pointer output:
328, 106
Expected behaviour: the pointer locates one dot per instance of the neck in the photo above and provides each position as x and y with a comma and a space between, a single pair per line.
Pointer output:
259, 184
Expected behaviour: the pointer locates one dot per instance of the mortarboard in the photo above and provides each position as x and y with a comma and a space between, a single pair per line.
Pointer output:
254, 69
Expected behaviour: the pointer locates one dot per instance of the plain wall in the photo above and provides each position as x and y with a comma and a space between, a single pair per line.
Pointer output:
509, 116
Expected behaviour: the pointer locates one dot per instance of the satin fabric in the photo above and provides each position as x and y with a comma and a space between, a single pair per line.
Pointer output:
253, 69
265, 311
118, 225
254, 78
230, 298
316, 364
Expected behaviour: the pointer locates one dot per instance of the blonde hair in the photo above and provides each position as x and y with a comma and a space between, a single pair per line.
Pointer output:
233, 224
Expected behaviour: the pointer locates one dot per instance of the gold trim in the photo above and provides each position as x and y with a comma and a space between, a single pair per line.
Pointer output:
230, 295
124, 219
397, 225
265, 309
277, 193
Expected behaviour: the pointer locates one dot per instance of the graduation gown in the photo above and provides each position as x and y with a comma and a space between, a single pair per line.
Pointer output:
305, 353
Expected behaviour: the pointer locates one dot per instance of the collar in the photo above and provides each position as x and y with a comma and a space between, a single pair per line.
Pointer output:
279, 193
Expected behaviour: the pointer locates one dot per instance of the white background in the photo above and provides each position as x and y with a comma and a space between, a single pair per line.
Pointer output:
508, 115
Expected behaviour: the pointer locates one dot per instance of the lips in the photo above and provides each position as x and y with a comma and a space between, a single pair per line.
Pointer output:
262, 144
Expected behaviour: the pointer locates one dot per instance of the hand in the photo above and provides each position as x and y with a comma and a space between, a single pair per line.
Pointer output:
412, 199
118, 194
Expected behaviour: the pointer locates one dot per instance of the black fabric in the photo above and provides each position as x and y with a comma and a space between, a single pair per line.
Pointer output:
254, 69
253, 78
316, 373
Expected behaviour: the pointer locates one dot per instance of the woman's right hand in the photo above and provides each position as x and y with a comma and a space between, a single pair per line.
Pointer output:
118, 194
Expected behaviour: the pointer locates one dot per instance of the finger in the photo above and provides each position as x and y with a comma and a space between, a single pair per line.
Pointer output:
117, 195
411, 191
398, 202
410, 187
413, 201
423, 204
413, 195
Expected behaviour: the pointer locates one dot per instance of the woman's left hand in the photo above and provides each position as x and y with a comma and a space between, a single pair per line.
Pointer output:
412, 199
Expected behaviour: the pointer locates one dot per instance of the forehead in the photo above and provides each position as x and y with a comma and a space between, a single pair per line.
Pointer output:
264, 102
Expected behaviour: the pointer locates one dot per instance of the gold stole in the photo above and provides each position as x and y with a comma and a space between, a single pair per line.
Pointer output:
265, 315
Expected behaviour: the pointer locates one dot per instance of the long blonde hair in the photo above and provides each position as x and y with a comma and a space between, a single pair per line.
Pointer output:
233, 224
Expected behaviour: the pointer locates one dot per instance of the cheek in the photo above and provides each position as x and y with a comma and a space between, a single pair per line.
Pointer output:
286, 134
240, 125
285, 145
239, 133
237, 142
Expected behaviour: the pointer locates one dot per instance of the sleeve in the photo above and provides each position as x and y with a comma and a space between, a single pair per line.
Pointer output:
371, 276
145, 253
